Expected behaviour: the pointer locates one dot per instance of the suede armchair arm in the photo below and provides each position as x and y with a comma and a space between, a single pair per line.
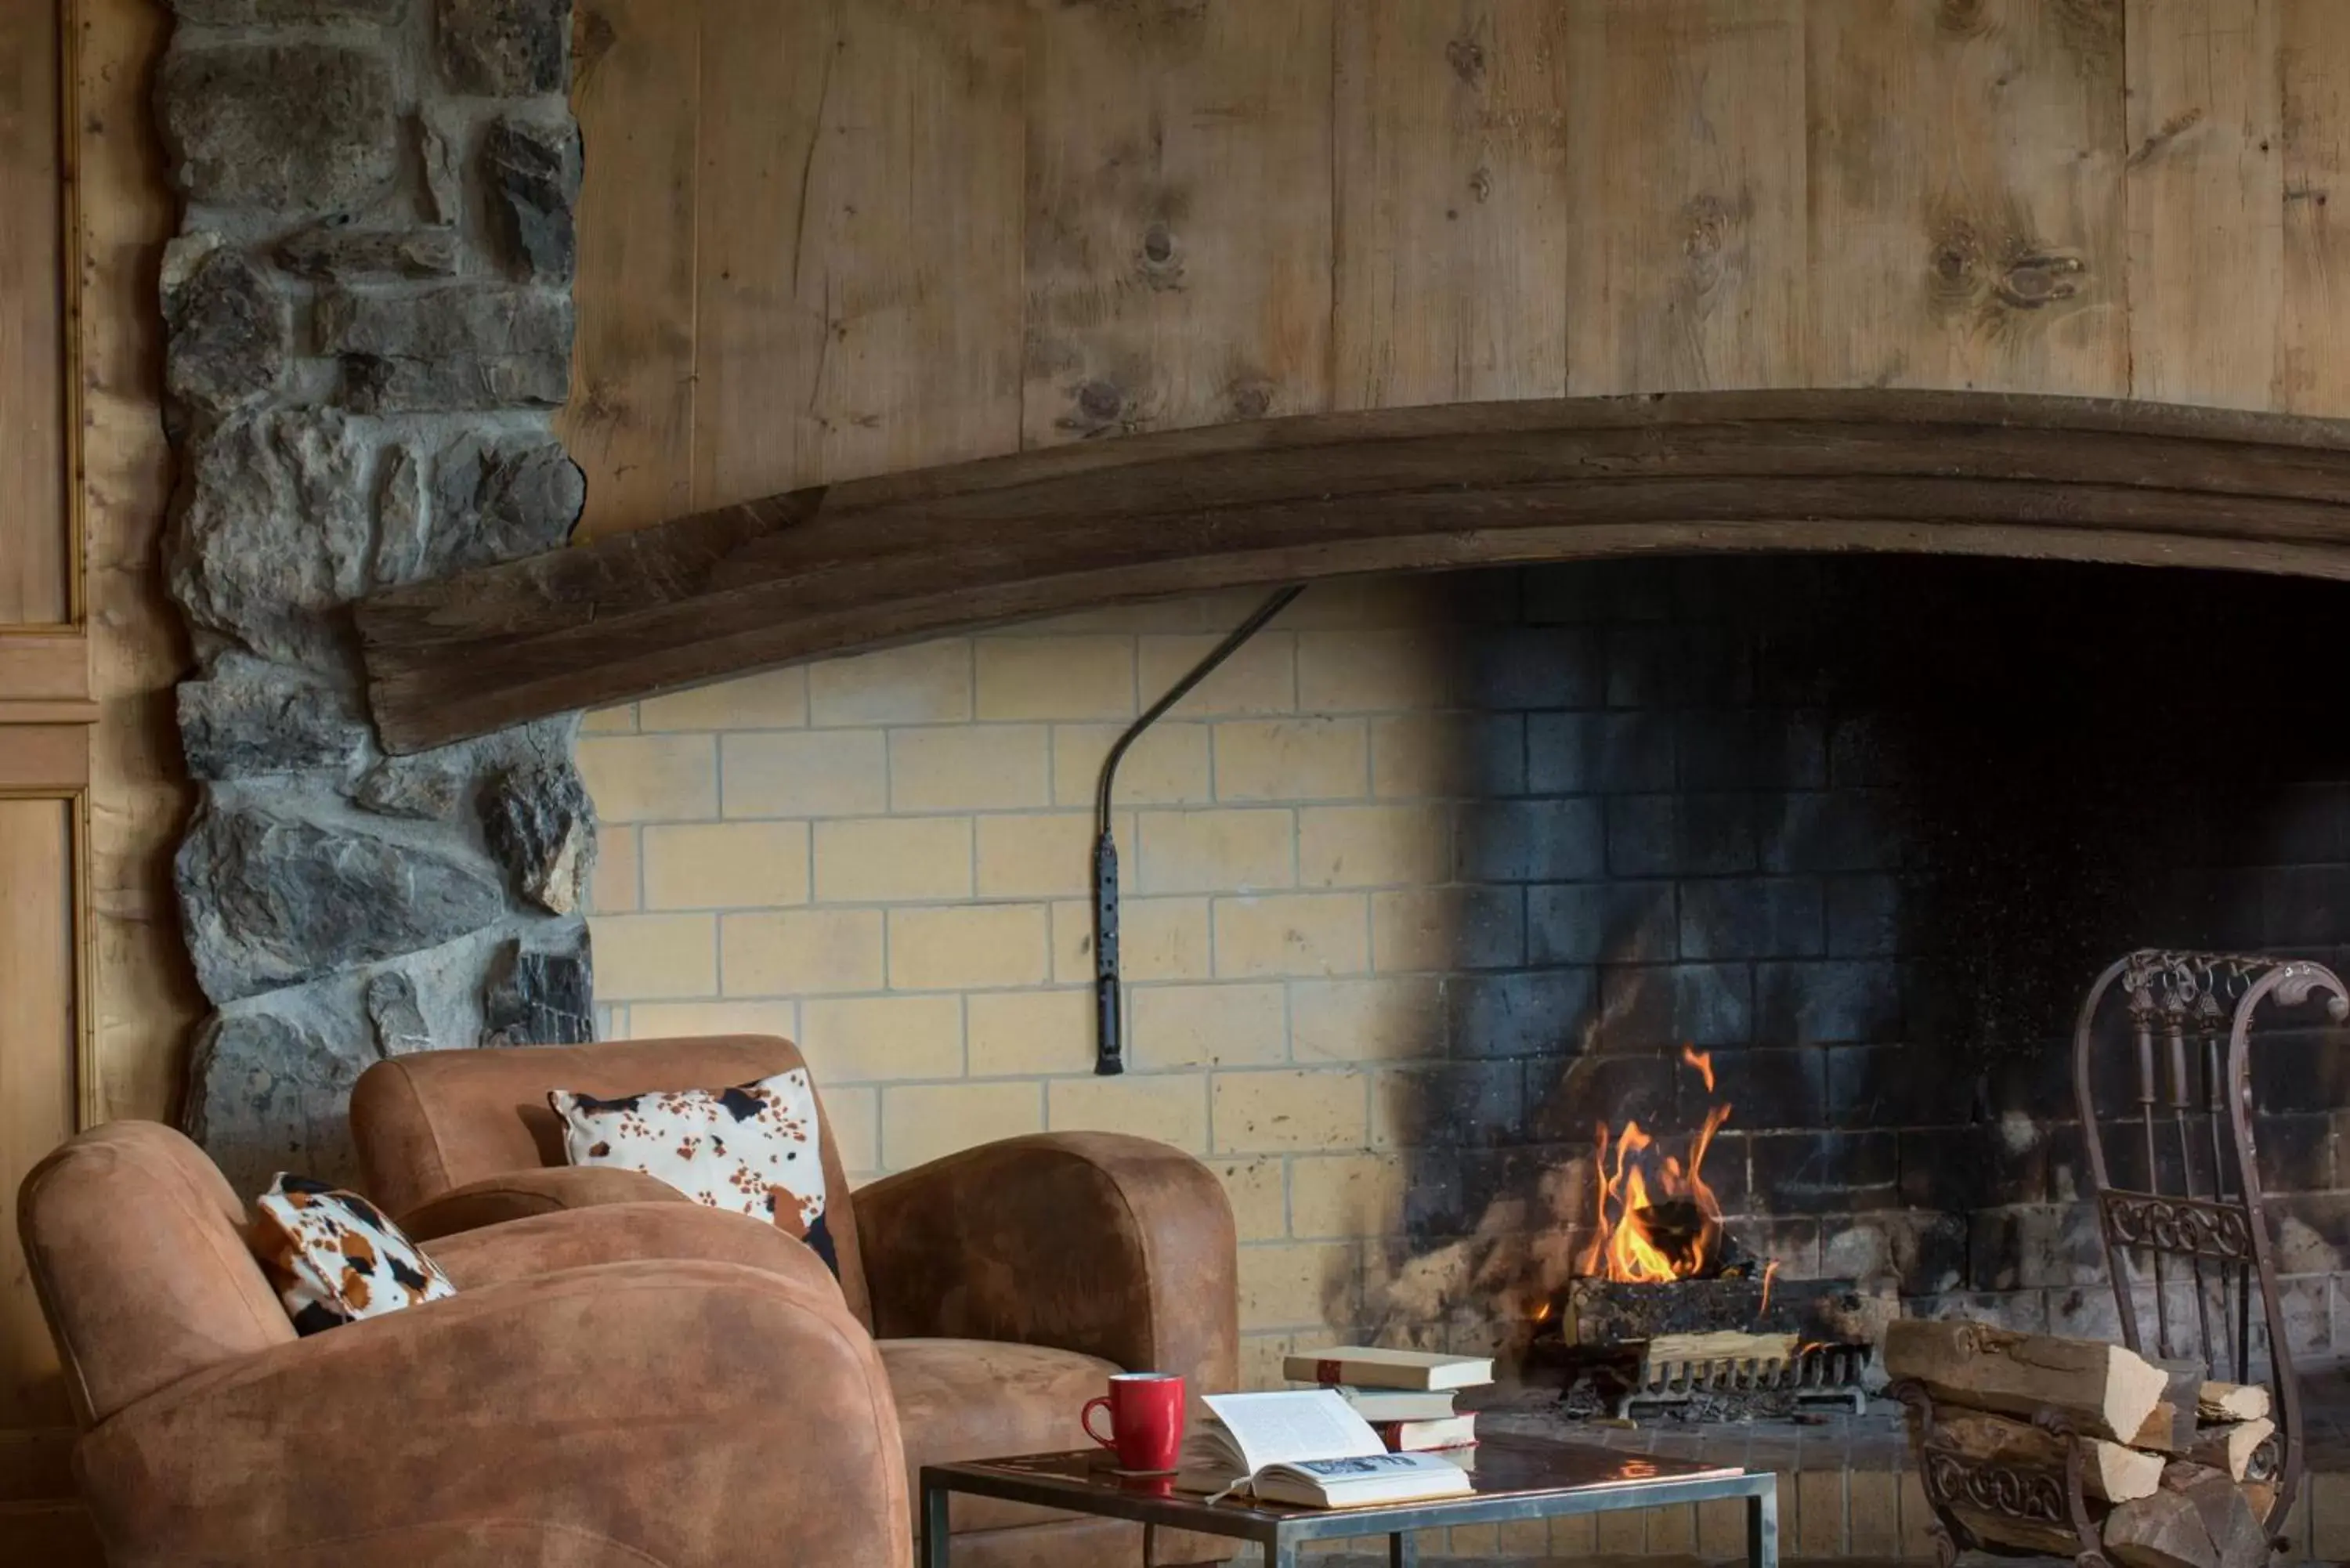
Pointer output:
679, 1413
519, 1194
1113, 1246
518, 1249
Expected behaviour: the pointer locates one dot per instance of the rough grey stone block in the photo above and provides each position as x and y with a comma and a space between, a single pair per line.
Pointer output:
290, 127
229, 330
398, 1022
402, 537
532, 169
505, 48
421, 789
248, 718
540, 826
500, 501
464, 346
269, 1092
272, 532
331, 253
541, 998
269, 900
444, 176
229, 13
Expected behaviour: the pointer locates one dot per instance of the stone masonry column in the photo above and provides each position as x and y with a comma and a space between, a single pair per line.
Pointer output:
370, 320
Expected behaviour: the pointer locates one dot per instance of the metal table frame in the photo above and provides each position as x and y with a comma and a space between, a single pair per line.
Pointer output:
1283, 1530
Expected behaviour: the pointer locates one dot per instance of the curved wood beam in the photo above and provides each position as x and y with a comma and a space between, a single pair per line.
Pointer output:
869, 562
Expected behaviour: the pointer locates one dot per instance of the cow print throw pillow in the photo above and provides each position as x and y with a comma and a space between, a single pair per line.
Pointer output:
335, 1258
753, 1150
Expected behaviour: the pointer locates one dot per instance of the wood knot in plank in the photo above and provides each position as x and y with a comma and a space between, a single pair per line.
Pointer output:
1156, 264
2033, 279
1961, 19
1097, 407
1467, 58
2171, 131
1250, 397
1708, 223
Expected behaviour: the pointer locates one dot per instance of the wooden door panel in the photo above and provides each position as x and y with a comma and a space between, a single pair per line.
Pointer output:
38, 1033
35, 546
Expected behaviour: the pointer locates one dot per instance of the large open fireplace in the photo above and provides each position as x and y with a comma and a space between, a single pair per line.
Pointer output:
1777, 883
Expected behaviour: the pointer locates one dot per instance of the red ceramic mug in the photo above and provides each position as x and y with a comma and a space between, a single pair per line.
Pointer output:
1146, 1420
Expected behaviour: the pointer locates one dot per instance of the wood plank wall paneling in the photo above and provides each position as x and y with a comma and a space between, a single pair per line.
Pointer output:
144, 995
1178, 216
37, 1109
1966, 223
2206, 192
2314, 317
34, 532
924, 230
1452, 201
631, 418
859, 216
1687, 166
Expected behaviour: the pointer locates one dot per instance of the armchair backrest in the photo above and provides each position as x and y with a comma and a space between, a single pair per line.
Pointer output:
433, 1121
137, 1250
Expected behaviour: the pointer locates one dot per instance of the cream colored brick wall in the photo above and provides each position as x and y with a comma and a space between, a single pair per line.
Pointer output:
888, 858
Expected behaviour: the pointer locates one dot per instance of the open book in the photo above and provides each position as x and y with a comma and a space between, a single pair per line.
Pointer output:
1309, 1449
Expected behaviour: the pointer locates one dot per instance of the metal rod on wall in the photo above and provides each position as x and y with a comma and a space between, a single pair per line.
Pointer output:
1109, 1038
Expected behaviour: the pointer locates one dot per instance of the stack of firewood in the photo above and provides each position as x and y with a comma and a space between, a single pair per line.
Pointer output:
2177, 1471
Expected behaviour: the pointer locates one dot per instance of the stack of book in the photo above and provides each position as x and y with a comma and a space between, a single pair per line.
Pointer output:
1407, 1396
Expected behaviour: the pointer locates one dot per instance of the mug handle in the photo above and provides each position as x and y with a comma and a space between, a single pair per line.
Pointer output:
1085, 1420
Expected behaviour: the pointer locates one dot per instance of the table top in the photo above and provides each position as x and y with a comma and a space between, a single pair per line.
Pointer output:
1530, 1476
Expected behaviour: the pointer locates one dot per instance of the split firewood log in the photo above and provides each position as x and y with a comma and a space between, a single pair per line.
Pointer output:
2109, 1473
2231, 1447
2168, 1430
2217, 1402
2171, 1428
2106, 1390
2238, 1537
2161, 1529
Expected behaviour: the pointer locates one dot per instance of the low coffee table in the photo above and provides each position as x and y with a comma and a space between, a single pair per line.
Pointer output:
1515, 1478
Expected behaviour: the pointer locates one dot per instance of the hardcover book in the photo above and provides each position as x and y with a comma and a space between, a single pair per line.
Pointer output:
1369, 1366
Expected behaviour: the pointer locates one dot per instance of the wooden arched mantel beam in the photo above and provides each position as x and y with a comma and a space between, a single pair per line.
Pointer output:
870, 562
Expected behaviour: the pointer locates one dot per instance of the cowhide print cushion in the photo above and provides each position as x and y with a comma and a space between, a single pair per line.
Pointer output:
752, 1149
335, 1258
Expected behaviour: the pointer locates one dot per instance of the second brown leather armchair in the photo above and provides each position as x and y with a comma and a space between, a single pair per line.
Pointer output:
1002, 1283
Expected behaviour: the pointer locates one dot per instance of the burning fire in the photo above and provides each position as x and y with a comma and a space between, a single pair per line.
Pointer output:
1658, 1220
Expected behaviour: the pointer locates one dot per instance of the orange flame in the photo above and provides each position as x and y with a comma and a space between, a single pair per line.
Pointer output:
1770, 1273
1702, 1061
1626, 1244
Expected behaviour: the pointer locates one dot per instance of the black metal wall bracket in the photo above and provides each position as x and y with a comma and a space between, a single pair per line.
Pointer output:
1109, 1038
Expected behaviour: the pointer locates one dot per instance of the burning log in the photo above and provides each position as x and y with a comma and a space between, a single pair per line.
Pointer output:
2104, 1390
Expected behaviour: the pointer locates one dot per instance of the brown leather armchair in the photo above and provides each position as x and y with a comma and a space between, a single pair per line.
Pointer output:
656, 1406
1002, 1283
